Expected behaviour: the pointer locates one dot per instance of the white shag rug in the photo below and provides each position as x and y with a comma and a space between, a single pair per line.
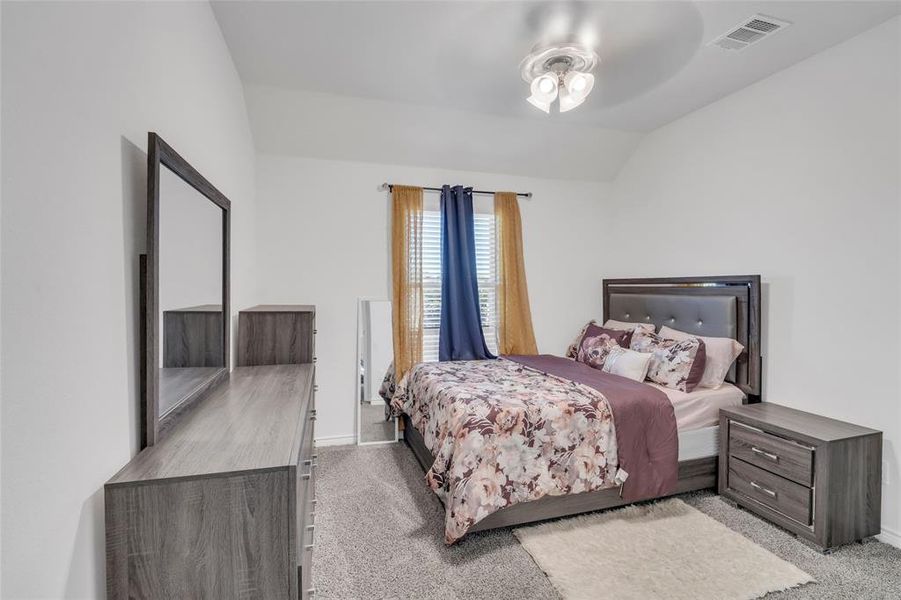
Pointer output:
662, 550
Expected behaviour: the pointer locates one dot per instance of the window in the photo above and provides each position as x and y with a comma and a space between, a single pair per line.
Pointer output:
486, 270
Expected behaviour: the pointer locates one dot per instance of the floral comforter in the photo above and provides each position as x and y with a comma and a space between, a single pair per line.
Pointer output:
502, 433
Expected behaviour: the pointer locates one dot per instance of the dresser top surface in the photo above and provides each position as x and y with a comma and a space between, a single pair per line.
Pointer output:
251, 421
278, 308
200, 308
792, 421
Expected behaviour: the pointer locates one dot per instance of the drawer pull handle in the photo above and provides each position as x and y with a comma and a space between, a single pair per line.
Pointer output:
308, 547
769, 455
308, 462
766, 491
305, 476
311, 527
311, 592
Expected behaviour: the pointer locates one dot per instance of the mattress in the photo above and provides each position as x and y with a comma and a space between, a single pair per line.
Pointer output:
699, 443
701, 408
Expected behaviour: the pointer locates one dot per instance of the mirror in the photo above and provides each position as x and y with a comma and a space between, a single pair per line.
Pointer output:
186, 304
374, 355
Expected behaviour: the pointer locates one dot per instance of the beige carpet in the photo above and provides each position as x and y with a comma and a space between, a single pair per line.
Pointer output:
661, 550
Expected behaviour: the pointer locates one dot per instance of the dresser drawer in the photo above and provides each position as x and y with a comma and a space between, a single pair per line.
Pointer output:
787, 497
773, 453
309, 541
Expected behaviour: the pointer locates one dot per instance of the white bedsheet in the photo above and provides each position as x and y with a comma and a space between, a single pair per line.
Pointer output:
701, 408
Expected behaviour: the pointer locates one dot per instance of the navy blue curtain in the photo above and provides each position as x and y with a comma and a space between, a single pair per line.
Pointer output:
460, 336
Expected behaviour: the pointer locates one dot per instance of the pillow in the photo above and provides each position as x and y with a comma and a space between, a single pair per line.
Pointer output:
627, 363
630, 327
674, 364
626, 326
596, 345
573, 348
721, 353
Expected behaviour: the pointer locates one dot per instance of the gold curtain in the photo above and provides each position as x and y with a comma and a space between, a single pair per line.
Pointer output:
406, 271
515, 333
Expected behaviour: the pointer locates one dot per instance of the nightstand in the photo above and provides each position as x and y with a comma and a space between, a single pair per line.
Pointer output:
817, 477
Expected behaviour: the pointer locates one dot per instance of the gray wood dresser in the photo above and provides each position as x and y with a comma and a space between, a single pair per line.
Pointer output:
276, 334
223, 505
192, 336
817, 477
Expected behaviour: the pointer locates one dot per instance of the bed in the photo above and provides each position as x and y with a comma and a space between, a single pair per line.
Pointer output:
499, 464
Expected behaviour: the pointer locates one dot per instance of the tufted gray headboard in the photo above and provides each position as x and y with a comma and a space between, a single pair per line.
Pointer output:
727, 306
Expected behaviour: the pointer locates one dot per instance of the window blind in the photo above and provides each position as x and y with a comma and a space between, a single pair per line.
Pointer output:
486, 272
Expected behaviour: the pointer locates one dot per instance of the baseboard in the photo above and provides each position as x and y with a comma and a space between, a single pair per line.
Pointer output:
336, 440
892, 538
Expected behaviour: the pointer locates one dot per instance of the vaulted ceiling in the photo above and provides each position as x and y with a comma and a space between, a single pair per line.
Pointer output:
311, 66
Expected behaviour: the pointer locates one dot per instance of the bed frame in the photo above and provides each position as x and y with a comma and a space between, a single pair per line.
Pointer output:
726, 306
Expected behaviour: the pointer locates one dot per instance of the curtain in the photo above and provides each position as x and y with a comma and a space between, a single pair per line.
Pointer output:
514, 317
460, 336
406, 271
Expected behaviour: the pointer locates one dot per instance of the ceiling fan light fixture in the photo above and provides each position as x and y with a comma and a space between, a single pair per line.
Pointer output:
569, 101
545, 87
578, 83
539, 104
560, 72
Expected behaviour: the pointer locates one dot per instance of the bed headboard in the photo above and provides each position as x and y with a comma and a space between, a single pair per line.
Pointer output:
727, 306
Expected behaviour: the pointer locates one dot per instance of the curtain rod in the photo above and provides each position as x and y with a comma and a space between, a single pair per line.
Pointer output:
389, 186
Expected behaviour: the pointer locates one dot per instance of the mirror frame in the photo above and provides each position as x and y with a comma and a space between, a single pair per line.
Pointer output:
160, 153
358, 410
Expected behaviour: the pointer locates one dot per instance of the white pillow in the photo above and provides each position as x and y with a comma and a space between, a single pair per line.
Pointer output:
624, 326
721, 353
627, 363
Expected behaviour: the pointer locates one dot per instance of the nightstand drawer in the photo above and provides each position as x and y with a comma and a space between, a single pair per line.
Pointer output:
789, 498
775, 454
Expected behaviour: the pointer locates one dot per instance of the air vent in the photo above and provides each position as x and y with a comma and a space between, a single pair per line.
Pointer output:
750, 31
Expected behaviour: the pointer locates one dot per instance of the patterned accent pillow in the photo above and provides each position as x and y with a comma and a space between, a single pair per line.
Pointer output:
623, 336
596, 344
629, 328
573, 348
676, 364
721, 353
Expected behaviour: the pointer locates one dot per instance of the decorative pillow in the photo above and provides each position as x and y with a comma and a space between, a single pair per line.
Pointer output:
630, 327
573, 348
721, 353
674, 364
626, 326
596, 345
627, 363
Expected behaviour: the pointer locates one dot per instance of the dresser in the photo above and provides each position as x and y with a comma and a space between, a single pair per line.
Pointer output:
192, 336
276, 334
820, 478
223, 506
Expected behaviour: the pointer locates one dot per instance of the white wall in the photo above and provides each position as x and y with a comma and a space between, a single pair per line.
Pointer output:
82, 83
326, 126
795, 178
323, 239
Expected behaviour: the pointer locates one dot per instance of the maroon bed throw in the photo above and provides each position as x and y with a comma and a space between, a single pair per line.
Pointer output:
646, 434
